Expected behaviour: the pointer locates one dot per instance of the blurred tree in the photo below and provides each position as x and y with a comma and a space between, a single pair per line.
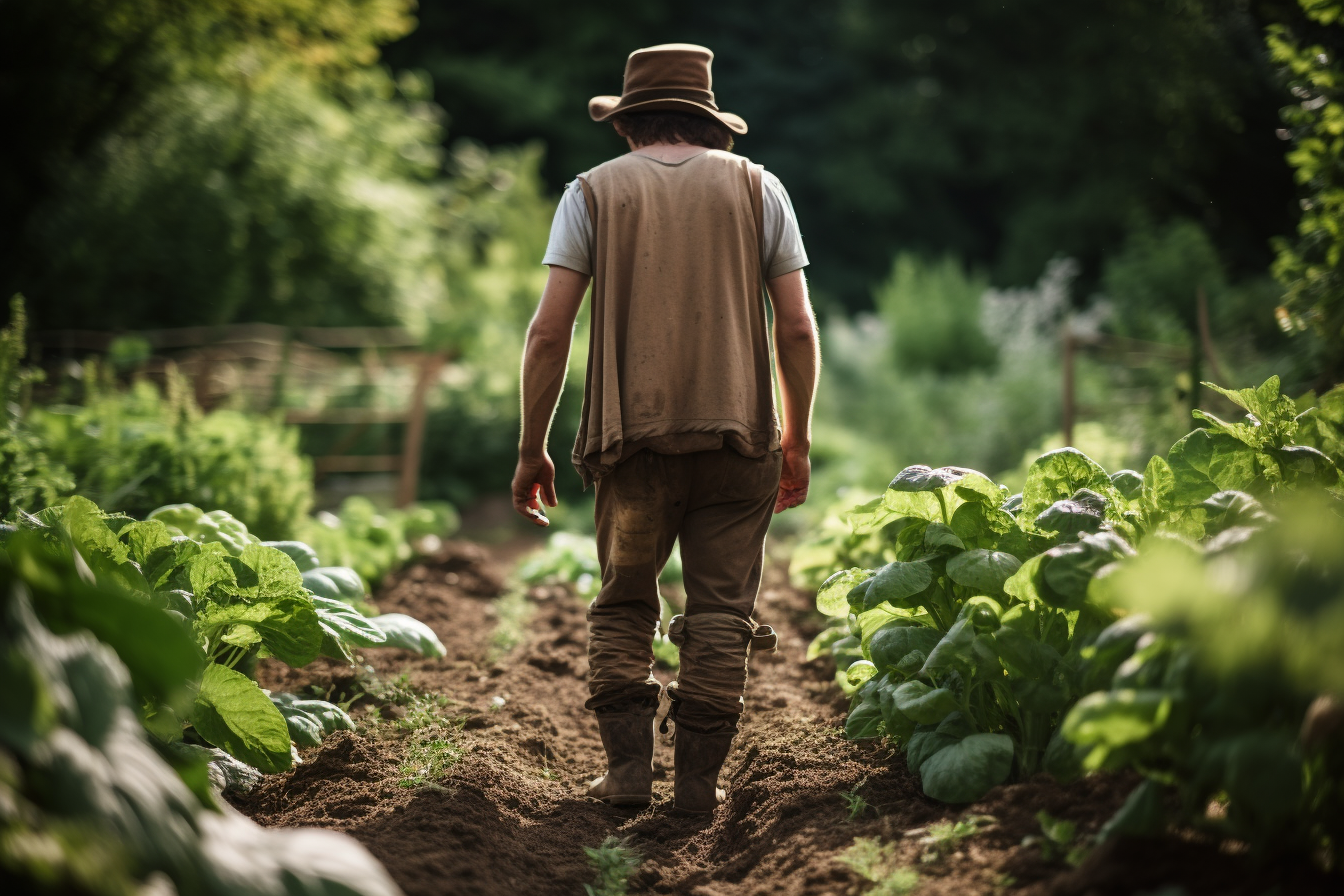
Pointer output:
228, 160
1004, 134
1312, 266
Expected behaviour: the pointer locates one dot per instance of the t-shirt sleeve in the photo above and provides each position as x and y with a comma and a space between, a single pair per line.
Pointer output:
571, 242
783, 249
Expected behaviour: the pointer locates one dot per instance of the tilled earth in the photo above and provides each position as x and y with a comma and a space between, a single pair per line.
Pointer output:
508, 815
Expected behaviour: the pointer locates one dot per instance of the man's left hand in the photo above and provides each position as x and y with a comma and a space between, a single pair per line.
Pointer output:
533, 483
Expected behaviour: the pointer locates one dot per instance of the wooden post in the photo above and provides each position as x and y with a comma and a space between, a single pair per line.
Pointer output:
412, 447
1068, 398
1206, 336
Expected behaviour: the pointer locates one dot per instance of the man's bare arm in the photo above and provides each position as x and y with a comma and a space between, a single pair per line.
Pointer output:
545, 361
798, 359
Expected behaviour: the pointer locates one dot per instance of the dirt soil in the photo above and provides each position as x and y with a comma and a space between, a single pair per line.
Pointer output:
509, 815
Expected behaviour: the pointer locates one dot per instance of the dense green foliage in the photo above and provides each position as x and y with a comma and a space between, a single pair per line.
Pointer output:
140, 448
1003, 134
374, 542
1237, 636
89, 803
241, 600
242, 161
1311, 266
991, 616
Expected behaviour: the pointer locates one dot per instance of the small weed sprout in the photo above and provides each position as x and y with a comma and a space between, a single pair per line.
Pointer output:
856, 805
512, 612
615, 861
1056, 840
427, 760
876, 862
946, 836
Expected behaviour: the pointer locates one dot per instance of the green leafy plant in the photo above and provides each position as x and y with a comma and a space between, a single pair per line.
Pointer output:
240, 600
615, 862
876, 862
81, 661
1230, 692
944, 837
29, 478
373, 542
1310, 267
1056, 840
855, 805
979, 632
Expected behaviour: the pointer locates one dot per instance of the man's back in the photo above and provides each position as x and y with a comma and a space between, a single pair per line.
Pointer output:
679, 358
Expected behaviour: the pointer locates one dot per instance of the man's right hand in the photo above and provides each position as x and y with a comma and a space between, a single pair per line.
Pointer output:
794, 478
533, 483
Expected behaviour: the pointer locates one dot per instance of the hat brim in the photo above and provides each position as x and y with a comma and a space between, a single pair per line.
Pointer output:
602, 108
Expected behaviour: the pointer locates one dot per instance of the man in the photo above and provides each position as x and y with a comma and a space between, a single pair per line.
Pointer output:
679, 430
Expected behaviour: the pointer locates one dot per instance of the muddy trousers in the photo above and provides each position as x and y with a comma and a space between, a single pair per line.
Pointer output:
719, 504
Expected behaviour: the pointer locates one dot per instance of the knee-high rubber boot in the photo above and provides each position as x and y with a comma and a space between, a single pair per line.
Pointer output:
698, 760
627, 737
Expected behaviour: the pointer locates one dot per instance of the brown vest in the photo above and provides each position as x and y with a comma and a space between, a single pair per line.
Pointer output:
679, 350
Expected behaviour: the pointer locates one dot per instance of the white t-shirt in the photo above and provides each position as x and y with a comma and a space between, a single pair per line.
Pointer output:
571, 242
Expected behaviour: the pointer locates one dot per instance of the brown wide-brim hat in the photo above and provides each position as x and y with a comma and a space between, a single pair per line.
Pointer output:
672, 77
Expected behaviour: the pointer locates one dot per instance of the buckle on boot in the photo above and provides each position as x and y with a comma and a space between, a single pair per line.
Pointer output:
764, 639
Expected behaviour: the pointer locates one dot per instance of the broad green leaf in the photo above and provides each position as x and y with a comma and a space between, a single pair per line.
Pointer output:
898, 581
892, 643
1116, 718
926, 705
1069, 517
1068, 568
940, 535
920, 505
832, 595
968, 769
983, 612
288, 627
1304, 465
346, 624
978, 488
926, 740
276, 574
869, 517
90, 533
953, 651
1159, 485
1128, 483
979, 525
1059, 474
339, 582
304, 557
409, 634
210, 573
982, 570
860, 671
896, 724
143, 538
863, 720
1024, 655
1023, 583
919, 478
1232, 508
162, 565
232, 713
1204, 463
311, 720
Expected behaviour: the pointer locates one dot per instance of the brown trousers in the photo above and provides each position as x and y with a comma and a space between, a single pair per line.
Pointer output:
719, 504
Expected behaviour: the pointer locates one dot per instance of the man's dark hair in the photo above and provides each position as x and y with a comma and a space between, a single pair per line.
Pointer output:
675, 127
